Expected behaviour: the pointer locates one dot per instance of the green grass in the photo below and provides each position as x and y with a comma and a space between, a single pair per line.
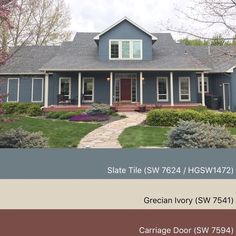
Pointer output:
232, 131
142, 136
61, 134
146, 136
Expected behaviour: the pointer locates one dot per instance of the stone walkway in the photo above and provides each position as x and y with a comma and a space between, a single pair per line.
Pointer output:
107, 135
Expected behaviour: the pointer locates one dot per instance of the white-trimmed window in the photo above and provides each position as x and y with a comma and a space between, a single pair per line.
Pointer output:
13, 90
206, 85
125, 49
162, 89
184, 89
37, 90
88, 89
65, 87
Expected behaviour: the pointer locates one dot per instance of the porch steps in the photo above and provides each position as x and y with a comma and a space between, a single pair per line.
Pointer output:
126, 108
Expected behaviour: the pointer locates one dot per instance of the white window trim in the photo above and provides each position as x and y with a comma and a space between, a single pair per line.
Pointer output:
18, 89
189, 92
224, 96
136, 87
131, 49
32, 90
87, 78
69, 78
206, 79
167, 90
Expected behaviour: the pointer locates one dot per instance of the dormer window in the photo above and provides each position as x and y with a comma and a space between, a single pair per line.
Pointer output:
125, 50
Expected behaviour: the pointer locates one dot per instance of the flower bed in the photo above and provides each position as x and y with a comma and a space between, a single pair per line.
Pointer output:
89, 118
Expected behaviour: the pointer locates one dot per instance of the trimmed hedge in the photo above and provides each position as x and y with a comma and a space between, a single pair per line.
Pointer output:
30, 109
171, 117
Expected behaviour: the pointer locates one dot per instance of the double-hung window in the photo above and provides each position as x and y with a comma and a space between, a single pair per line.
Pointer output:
184, 89
126, 50
162, 89
206, 85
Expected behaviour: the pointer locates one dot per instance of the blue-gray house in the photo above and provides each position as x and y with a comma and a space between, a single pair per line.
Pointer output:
124, 64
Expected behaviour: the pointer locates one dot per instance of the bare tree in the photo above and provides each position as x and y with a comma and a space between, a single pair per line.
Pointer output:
5, 10
208, 15
39, 22
6, 7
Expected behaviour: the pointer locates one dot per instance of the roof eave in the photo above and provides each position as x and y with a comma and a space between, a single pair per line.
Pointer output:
130, 69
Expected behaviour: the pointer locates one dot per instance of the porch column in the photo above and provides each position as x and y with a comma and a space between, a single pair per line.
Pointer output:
141, 88
203, 89
111, 89
46, 90
171, 89
79, 89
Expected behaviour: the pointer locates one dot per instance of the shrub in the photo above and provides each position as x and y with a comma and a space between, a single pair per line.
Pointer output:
200, 108
19, 138
162, 117
191, 134
89, 118
30, 109
10, 107
100, 109
34, 110
63, 115
22, 108
172, 117
68, 115
55, 115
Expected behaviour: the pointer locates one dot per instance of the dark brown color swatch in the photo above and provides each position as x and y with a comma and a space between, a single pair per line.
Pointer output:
106, 222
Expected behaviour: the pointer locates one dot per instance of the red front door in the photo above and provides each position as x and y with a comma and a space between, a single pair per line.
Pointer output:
125, 89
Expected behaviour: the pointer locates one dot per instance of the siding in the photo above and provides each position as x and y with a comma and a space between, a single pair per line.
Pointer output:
233, 89
25, 87
125, 30
37, 90
150, 86
54, 86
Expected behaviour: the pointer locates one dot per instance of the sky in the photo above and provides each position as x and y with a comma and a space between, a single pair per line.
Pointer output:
97, 15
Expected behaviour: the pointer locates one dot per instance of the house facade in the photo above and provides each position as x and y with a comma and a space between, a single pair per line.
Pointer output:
124, 64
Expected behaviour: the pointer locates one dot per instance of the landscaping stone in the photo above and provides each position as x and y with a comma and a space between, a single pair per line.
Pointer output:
107, 135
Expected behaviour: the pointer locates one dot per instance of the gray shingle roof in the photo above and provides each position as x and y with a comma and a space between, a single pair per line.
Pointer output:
218, 58
29, 59
82, 54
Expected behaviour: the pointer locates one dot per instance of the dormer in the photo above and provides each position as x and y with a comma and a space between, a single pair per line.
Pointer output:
125, 40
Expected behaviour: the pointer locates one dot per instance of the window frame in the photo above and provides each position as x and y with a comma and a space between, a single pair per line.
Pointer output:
60, 79
87, 78
130, 49
18, 89
189, 88
32, 90
167, 89
206, 79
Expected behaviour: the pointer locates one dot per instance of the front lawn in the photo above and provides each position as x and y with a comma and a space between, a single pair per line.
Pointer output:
143, 136
61, 134
146, 136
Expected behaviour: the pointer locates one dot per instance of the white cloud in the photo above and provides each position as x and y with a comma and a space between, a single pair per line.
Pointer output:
99, 14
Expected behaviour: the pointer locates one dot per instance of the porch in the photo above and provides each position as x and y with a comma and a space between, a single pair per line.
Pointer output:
125, 91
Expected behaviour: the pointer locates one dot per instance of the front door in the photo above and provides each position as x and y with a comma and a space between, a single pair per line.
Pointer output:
226, 96
126, 90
